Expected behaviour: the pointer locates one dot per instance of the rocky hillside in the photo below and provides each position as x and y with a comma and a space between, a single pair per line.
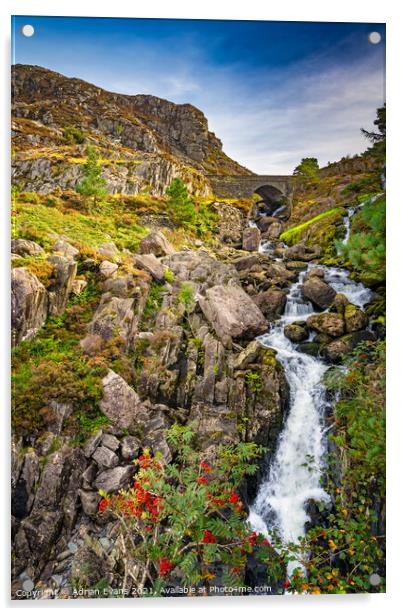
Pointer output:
144, 141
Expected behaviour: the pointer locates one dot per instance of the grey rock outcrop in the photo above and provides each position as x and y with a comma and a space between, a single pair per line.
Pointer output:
114, 479
107, 269
65, 249
121, 403
64, 271
296, 332
29, 304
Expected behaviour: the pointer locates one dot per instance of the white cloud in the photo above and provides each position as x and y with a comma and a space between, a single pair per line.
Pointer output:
319, 115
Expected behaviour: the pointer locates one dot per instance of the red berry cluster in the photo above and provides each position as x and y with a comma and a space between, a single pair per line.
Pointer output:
138, 502
208, 537
146, 461
164, 566
205, 467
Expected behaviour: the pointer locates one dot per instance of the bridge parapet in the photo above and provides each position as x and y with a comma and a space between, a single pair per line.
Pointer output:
243, 186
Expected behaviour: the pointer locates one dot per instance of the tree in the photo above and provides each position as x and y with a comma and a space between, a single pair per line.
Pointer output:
180, 204
380, 122
92, 184
184, 522
307, 169
378, 138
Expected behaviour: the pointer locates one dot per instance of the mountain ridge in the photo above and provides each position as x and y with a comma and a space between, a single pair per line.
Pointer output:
169, 139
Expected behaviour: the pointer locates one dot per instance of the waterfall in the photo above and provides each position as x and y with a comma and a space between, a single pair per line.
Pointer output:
294, 476
352, 211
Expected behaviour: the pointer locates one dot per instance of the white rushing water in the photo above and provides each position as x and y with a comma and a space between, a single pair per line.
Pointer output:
294, 476
352, 211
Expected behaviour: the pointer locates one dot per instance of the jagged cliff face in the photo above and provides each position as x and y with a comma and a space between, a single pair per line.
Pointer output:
144, 141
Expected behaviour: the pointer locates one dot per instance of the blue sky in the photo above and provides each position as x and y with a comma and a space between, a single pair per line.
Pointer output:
272, 91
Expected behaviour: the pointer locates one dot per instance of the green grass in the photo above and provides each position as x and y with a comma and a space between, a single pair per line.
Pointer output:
53, 366
110, 222
294, 234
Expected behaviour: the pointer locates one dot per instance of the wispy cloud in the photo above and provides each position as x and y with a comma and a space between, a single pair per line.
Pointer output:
309, 115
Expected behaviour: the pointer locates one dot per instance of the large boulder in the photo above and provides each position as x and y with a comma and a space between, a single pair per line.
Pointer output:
246, 263
64, 271
65, 249
108, 269
296, 332
130, 447
29, 304
327, 323
334, 351
26, 248
121, 403
251, 239
355, 318
315, 271
301, 252
157, 244
258, 394
319, 292
152, 265
200, 268
279, 274
109, 250
104, 457
230, 224
271, 302
116, 316
114, 479
339, 304
232, 313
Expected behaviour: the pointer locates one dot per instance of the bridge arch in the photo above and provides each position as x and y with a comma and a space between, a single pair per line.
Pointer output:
276, 189
270, 194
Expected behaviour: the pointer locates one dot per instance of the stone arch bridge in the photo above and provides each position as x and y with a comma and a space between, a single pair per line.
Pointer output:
271, 188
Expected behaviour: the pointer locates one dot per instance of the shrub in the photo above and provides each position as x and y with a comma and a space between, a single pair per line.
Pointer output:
187, 296
73, 135
365, 250
183, 521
